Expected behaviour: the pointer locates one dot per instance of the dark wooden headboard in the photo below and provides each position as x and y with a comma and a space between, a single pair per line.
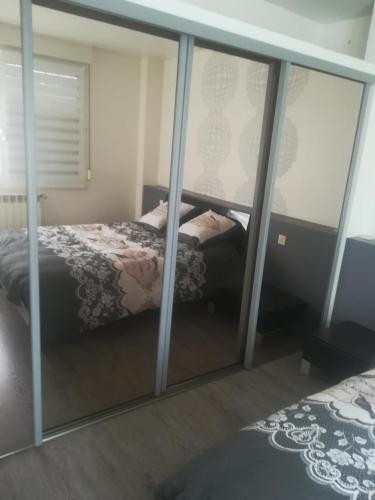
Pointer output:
153, 194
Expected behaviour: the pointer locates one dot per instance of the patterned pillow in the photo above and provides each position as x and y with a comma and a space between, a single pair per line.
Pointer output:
157, 218
207, 228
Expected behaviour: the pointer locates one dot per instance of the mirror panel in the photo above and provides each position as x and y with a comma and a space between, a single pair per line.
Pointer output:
16, 410
314, 160
226, 110
98, 100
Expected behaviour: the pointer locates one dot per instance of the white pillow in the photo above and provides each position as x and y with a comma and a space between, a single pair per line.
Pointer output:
242, 217
157, 218
207, 226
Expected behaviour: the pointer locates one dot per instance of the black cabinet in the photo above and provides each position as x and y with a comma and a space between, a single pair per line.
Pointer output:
344, 349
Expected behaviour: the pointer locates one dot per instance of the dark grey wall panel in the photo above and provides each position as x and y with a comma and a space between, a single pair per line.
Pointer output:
355, 299
302, 266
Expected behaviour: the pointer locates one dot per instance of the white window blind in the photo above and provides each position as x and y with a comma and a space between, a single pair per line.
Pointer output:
61, 109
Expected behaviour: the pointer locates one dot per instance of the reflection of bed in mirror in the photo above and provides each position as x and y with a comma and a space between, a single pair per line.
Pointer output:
295, 274
95, 274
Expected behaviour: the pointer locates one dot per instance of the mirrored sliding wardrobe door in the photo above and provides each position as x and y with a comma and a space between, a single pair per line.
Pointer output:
103, 209
312, 172
225, 117
16, 408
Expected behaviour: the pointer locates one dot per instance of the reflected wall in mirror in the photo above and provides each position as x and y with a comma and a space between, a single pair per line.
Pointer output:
16, 409
98, 92
317, 142
226, 108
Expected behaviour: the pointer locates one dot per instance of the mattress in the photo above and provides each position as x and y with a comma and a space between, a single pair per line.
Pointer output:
94, 274
321, 447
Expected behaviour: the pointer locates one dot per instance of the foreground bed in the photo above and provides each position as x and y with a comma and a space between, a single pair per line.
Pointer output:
321, 447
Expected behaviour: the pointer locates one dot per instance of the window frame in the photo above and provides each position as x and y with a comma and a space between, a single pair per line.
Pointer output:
58, 181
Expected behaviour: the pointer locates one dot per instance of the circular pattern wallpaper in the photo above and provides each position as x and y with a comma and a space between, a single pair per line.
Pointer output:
279, 204
245, 193
298, 80
288, 148
209, 185
214, 138
219, 80
256, 82
249, 144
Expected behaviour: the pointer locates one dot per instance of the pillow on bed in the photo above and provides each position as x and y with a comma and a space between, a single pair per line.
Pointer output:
157, 218
208, 227
242, 217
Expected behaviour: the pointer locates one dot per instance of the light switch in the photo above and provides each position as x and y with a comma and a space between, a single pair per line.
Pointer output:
281, 240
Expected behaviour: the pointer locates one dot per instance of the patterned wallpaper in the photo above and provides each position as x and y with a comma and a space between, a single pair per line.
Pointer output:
224, 127
219, 83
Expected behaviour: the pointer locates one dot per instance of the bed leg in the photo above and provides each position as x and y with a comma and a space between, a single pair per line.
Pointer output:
305, 367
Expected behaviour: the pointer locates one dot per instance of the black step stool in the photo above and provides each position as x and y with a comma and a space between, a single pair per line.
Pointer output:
344, 349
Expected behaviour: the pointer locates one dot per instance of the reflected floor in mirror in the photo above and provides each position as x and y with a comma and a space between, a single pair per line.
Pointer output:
278, 344
16, 408
125, 457
116, 363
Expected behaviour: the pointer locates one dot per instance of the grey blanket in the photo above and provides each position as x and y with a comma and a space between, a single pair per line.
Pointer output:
94, 274
322, 447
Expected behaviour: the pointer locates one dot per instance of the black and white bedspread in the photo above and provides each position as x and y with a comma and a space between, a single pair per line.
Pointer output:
321, 447
94, 274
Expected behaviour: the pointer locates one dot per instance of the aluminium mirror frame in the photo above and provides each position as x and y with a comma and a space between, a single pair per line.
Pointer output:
345, 211
32, 211
209, 33
342, 230
184, 72
265, 206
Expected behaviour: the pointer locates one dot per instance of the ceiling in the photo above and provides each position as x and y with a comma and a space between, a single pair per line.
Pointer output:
327, 11
88, 32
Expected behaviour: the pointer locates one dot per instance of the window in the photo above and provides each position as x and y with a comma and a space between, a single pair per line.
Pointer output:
61, 109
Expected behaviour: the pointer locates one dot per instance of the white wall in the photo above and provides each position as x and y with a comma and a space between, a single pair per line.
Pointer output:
266, 15
154, 96
114, 95
362, 218
149, 128
224, 133
325, 118
348, 37
110, 195
166, 120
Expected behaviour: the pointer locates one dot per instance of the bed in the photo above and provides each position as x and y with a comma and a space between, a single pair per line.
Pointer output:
321, 447
95, 274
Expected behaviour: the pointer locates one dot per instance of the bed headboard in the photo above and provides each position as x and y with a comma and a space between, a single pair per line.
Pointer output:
208, 202
301, 267
153, 194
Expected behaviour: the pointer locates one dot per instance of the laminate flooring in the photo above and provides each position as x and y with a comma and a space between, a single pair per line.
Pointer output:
112, 365
123, 458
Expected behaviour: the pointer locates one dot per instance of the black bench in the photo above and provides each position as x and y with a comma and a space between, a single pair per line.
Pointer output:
344, 349
278, 309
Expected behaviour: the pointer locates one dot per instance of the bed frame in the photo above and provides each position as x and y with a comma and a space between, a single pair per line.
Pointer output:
301, 267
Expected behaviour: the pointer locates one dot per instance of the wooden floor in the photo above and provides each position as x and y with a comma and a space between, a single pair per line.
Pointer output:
114, 365
16, 406
123, 458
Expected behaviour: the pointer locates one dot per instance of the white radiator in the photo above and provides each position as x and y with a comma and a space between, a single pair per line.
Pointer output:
13, 211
